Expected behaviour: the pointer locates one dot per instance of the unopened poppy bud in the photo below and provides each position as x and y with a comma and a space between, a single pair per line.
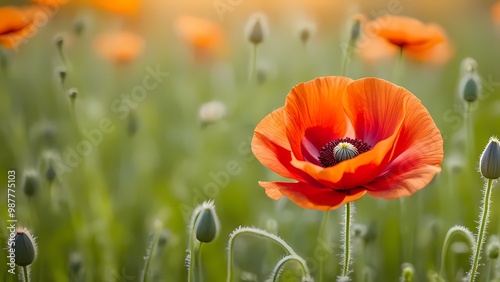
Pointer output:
408, 272
493, 249
61, 74
470, 87
50, 172
469, 65
359, 231
306, 31
490, 160
212, 112
256, 29
163, 239
59, 41
25, 247
207, 223
31, 183
75, 263
357, 22
72, 93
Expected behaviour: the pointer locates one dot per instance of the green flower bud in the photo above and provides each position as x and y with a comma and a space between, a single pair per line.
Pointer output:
256, 29
490, 160
408, 272
470, 88
31, 183
25, 247
207, 223
72, 93
357, 22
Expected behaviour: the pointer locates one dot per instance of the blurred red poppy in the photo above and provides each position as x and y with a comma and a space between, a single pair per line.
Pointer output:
495, 13
119, 47
16, 25
206, 37
386, 36
341, 139
125, 7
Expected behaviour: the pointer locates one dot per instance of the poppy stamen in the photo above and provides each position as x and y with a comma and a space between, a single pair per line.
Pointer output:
341, 150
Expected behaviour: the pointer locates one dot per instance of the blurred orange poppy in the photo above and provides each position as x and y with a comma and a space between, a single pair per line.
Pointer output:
16, 25
51, 2
205, 36
341, 138
119, 47
495, 13
388, 35
126, 7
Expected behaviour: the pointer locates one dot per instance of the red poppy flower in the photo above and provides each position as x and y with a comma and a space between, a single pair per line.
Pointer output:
341, 139
385, 36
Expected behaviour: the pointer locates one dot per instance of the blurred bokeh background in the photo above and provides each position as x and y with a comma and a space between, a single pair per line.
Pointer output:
132, 146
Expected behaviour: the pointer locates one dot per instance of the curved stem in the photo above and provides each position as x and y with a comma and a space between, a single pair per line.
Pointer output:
150, 255
281, 263
485, 213
455, 230
347, 241
321, 235
262, 234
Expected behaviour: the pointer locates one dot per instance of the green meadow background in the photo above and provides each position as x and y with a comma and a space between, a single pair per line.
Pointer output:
95, 221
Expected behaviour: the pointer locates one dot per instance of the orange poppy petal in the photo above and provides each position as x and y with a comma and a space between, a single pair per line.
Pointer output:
16, 25
314, 115
418, 154
375, 107
311, 197
270, 146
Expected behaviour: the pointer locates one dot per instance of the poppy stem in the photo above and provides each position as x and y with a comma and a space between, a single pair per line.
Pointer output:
347, 57
253, 65
150, 253
398, 68
455, 230
322, 236
483, 223
346, 256
25, 273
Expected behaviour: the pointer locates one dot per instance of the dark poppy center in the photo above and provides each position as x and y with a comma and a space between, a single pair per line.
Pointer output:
341, 150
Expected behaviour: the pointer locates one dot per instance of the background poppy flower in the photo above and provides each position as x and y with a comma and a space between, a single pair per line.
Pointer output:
125, 7
341, 139
206, 37
495, 13
15, 25
387, 35
119, 47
